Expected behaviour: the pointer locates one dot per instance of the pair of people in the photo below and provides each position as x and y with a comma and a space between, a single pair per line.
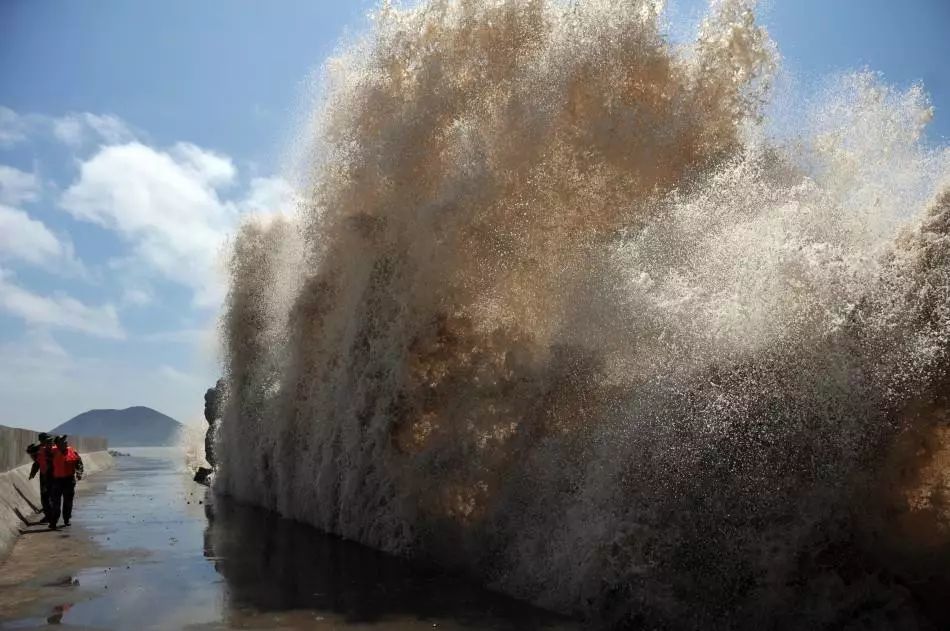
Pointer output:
60, 467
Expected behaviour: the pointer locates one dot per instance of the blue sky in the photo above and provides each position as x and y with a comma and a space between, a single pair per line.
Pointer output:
134, 135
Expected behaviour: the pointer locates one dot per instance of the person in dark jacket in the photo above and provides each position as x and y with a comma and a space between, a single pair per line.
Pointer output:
42, 455
67, 469
33, 450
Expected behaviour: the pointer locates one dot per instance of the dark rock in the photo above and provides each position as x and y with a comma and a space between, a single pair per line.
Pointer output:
203, 476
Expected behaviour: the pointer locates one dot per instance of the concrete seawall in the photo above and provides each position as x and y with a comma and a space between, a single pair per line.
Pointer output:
14, 441
20, 496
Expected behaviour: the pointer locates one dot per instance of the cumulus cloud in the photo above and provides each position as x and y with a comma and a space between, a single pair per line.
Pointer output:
168, 206
17, 187
164, 204
58, 311
268, 195
172, 207
74, 129
13, 127
25, 239
171, 210
78, 128
211, 168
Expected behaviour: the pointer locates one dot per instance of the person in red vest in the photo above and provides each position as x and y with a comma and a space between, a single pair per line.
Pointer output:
67, 469
42, 463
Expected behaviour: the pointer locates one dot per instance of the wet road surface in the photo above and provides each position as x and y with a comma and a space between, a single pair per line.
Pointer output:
164, 554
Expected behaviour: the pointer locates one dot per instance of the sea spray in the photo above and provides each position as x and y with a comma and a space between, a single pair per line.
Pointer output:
190, 443
558, 309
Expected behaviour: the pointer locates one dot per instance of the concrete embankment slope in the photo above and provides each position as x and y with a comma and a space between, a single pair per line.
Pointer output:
20, 496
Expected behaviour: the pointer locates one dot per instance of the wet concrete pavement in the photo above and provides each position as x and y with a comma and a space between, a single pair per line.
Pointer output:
150, 549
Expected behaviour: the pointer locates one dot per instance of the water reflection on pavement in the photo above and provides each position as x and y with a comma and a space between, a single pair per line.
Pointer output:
198, 562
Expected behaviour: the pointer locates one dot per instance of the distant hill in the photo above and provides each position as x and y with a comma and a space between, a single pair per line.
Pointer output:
132, 427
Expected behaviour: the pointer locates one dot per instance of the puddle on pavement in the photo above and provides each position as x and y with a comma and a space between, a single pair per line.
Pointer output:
201, 562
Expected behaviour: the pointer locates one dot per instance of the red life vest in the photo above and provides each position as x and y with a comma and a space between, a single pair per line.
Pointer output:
64, 465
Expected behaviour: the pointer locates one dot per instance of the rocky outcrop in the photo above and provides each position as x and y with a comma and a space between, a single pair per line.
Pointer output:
213, 398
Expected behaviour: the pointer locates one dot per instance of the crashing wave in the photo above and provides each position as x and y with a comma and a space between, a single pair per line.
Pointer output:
560, 311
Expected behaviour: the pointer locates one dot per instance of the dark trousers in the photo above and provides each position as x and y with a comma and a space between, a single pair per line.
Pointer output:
44, 494
61, 490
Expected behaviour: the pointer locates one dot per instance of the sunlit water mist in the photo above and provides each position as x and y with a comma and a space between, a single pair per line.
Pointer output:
560, 311
190, 443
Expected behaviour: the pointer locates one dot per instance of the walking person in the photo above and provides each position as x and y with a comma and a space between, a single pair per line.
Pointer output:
33, 450
42, 455
66, 469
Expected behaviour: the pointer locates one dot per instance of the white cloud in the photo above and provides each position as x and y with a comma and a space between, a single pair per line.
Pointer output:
269, 195
167, 208
25, 239
211, 168
69, 130
13, 127
77, 128
167, 205
171, 209
17, 186
74, 129
58, 311
137, 296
